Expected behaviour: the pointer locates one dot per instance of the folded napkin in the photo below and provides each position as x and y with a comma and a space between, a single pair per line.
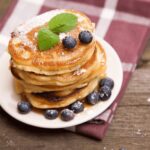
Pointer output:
123, 24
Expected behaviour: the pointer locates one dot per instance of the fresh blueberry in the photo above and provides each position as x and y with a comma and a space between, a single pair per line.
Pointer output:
104, 93
92, 98
69, 42
67, 114
24, 107
107, 81
85, 37
51, 114
77, 107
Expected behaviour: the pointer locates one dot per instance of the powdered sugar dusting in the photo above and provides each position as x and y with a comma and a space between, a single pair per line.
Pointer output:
80, 18
23, 29
62, 35
82, 29
27, 42
26, 55
79, 72
35, 35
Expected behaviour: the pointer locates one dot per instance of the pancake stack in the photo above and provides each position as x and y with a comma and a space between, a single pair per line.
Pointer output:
57, 77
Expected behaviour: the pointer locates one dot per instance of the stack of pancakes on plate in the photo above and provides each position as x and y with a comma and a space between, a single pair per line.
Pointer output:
57, 77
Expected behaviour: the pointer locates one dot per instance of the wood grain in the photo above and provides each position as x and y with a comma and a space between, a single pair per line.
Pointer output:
130, 127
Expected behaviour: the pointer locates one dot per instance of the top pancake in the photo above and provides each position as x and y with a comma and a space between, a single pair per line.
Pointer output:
97, 61
57, 60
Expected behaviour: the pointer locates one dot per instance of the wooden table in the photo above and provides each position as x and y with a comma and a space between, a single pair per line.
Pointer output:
130, 127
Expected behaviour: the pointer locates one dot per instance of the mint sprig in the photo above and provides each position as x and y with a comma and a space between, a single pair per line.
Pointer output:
62, 23
48, 37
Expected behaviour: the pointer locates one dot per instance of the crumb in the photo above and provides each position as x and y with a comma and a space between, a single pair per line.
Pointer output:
148, 100
138, 132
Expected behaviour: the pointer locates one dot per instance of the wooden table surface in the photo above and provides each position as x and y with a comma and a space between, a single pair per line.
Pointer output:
130, 127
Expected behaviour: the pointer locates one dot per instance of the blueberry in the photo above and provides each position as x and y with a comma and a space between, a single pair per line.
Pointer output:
107, 81
77, 107
104, 93
85, 37
51, 114
69, 42
92, 98
24, 107
67, 114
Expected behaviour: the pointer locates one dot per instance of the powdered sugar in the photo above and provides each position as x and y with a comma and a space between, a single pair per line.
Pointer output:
35, 35
23, 29
62, 35
79, 72
80, 18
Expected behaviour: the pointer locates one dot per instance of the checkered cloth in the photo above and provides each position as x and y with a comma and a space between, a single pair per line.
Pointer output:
125, 24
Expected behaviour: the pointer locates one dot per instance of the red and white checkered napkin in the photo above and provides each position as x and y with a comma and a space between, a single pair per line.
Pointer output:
123, 24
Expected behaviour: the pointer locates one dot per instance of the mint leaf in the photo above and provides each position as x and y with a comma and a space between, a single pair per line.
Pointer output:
62, 22
46, 39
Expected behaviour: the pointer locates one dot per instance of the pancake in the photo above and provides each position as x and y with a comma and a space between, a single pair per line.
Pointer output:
98, 59
57, 60
58, 102
29, 88
98, 71
61, 79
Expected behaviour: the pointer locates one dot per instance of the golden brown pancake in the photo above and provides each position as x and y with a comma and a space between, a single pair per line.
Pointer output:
44, 103
99, 70
25, 56
96, 61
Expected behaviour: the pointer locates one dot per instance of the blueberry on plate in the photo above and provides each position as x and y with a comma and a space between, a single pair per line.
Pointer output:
107, 81
85, 37
67, 114
104, 93
92, 98
77, 107
24, 107
69, 42
51, 114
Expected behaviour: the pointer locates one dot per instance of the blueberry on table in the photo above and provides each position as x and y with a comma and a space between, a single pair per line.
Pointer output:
77, 107
104, 93
107, 81
85, 37
24, 107
69, 42
67, 114
92, 98
51, 114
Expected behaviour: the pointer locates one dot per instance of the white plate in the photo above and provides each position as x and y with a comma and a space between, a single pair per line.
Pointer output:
9, 99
